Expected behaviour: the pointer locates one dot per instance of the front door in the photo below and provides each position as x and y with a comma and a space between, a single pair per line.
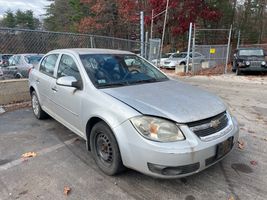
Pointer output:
67, 100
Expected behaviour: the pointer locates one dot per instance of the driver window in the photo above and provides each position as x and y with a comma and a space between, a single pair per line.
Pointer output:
68, 67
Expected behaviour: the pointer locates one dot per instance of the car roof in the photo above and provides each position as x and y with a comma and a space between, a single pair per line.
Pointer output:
83, 51
28, 54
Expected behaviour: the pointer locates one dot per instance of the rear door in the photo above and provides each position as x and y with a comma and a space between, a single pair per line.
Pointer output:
67, 100
45, 79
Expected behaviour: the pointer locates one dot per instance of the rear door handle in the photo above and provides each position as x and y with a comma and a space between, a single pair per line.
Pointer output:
37, 81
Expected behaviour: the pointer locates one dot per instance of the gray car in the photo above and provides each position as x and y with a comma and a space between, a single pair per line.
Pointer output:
20, 64
131, 114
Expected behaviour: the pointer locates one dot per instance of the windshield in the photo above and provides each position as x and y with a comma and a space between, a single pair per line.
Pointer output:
6, 57
33, 59
180, 55
107, 70
251, 52
165, 55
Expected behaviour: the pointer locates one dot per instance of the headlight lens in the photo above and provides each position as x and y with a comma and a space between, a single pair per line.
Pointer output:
263, 63
247, 63
157, 129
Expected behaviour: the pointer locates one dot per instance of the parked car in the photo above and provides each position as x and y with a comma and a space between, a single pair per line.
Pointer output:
132, 115
181, 59
20, 64
164, 57
249, 59
4, 59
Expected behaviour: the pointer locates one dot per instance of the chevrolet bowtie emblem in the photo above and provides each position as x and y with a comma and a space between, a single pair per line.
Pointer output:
214, 123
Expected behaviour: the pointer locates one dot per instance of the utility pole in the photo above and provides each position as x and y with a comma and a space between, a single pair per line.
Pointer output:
142, 33
238, 40
164, 27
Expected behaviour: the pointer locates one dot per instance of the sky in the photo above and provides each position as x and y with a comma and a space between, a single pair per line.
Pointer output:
37, 6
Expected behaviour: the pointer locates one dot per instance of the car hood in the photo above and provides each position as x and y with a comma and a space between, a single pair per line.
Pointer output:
169, 99
251, 58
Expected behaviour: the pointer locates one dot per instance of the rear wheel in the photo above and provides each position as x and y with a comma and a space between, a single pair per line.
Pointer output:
105, 149
37, 110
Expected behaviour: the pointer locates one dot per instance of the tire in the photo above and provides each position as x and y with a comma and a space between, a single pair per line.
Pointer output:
234, 66
36, 108
17, 76
238, 72
105, 150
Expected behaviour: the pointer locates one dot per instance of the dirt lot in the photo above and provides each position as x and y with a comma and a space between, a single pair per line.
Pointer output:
62, 159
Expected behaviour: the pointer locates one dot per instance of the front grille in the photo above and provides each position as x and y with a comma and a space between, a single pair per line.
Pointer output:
209, 126
255, 63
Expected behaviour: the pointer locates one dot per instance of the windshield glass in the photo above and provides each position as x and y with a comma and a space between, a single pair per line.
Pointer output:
251, 52
180, 55
33, 59
165, 55
107, 70
6, 57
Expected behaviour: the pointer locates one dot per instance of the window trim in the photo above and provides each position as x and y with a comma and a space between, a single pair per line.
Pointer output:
76, 62
48, 74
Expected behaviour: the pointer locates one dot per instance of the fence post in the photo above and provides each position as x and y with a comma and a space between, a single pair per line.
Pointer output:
193, 49
189, 45
228, 50
146, 44
91, 40
142, 33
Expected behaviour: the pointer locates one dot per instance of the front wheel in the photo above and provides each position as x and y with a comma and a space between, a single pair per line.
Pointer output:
238, 72
37, 110
105, 149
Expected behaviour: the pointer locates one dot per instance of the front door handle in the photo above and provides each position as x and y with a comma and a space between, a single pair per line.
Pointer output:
54, 89
37, 81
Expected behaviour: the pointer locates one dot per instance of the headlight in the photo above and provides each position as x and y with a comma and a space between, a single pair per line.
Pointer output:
263, 63
157, 129
247, 63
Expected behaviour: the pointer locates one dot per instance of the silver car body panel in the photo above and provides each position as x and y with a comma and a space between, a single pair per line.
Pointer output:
170, 99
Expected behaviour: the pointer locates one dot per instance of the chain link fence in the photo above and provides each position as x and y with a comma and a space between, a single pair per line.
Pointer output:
210, 48
17, 41
23, 41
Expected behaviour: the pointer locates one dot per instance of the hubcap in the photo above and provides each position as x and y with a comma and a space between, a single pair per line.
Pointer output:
35, 105
104, 149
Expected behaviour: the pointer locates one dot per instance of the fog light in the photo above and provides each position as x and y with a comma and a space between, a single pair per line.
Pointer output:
173, 171
263, 63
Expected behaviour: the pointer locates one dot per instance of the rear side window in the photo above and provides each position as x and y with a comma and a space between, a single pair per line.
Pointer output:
48, 64
68, 67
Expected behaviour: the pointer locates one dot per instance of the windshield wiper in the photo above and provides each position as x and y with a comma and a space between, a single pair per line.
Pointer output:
116, 84
152, 80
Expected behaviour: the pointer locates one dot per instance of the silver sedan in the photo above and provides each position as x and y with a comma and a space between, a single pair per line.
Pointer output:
131, 114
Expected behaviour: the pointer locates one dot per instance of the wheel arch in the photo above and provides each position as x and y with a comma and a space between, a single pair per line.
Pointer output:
31, 89
89, 125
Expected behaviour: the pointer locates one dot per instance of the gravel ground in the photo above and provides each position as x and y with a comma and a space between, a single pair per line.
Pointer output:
62, 159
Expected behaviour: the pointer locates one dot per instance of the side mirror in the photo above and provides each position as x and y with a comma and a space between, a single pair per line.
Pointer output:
69, 81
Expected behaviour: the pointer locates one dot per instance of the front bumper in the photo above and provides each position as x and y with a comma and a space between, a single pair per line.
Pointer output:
168, 66
192, 154
253, 69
